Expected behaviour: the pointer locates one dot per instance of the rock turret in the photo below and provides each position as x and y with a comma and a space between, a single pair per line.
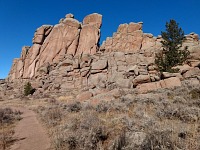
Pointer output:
130, 38
51, 43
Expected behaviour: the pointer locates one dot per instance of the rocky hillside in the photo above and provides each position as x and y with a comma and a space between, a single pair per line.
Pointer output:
108, 96
68, 56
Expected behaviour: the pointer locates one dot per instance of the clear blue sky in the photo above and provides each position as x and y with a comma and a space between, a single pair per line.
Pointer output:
20, 18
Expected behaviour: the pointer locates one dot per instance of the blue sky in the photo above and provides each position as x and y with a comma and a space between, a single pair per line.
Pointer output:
20, 18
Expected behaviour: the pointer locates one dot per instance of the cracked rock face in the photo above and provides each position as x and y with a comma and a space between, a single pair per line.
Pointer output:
90, 34
51, 43
130, 38
65, 56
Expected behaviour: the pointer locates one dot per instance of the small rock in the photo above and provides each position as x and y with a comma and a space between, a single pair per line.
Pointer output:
170, 82
84, 96
192, 73
169, 75
100, 64
133, 69
141, 79
124, 83
157, 78
182, 69
69, 16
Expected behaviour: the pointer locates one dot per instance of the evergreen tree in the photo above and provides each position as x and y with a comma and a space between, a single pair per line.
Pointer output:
172, 55
28, 89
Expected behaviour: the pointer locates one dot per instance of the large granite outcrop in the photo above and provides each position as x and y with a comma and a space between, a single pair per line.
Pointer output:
90, 34
68, 56
130, 38
50, 43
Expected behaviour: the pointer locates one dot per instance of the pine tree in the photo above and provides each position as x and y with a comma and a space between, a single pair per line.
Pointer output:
171, 55
28, 89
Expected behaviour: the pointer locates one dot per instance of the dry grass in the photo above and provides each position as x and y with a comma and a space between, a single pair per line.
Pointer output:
6, 133
153, 121
8, 117
160, 120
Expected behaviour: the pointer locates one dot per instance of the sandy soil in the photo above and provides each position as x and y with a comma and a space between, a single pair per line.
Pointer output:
29, 133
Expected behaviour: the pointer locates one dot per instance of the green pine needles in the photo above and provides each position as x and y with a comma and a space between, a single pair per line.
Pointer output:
171, 55
28, 89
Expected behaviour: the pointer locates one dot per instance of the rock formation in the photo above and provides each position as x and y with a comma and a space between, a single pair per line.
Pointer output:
68, 56
113, 94
130, 38
90, 34
51, 43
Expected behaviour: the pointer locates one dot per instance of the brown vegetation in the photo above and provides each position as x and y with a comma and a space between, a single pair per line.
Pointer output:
7, 119
162, 119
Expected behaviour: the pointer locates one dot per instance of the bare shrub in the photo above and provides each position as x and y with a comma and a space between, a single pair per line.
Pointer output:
195, 93
103, 107
185, 114
159, 140
74, 107
63, 140
52, 115
120, 142
6, 137
164, 119
7, 118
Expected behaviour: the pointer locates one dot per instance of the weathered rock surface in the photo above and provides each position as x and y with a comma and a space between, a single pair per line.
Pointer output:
67, 56
51, 43
130, 38
166, 83
84, 96
194, 72
90, 34
99, 65
141, 79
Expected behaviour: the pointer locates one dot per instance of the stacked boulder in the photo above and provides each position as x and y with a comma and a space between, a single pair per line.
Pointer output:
130, 38
67, 56
50, 43
103, 70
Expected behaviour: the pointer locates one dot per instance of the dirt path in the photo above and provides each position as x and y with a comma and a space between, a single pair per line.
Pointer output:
29, 133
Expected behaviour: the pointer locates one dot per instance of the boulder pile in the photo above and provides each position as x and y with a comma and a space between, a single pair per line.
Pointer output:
67, 56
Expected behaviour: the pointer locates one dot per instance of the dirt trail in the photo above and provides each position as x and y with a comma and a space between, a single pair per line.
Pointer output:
29, 133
